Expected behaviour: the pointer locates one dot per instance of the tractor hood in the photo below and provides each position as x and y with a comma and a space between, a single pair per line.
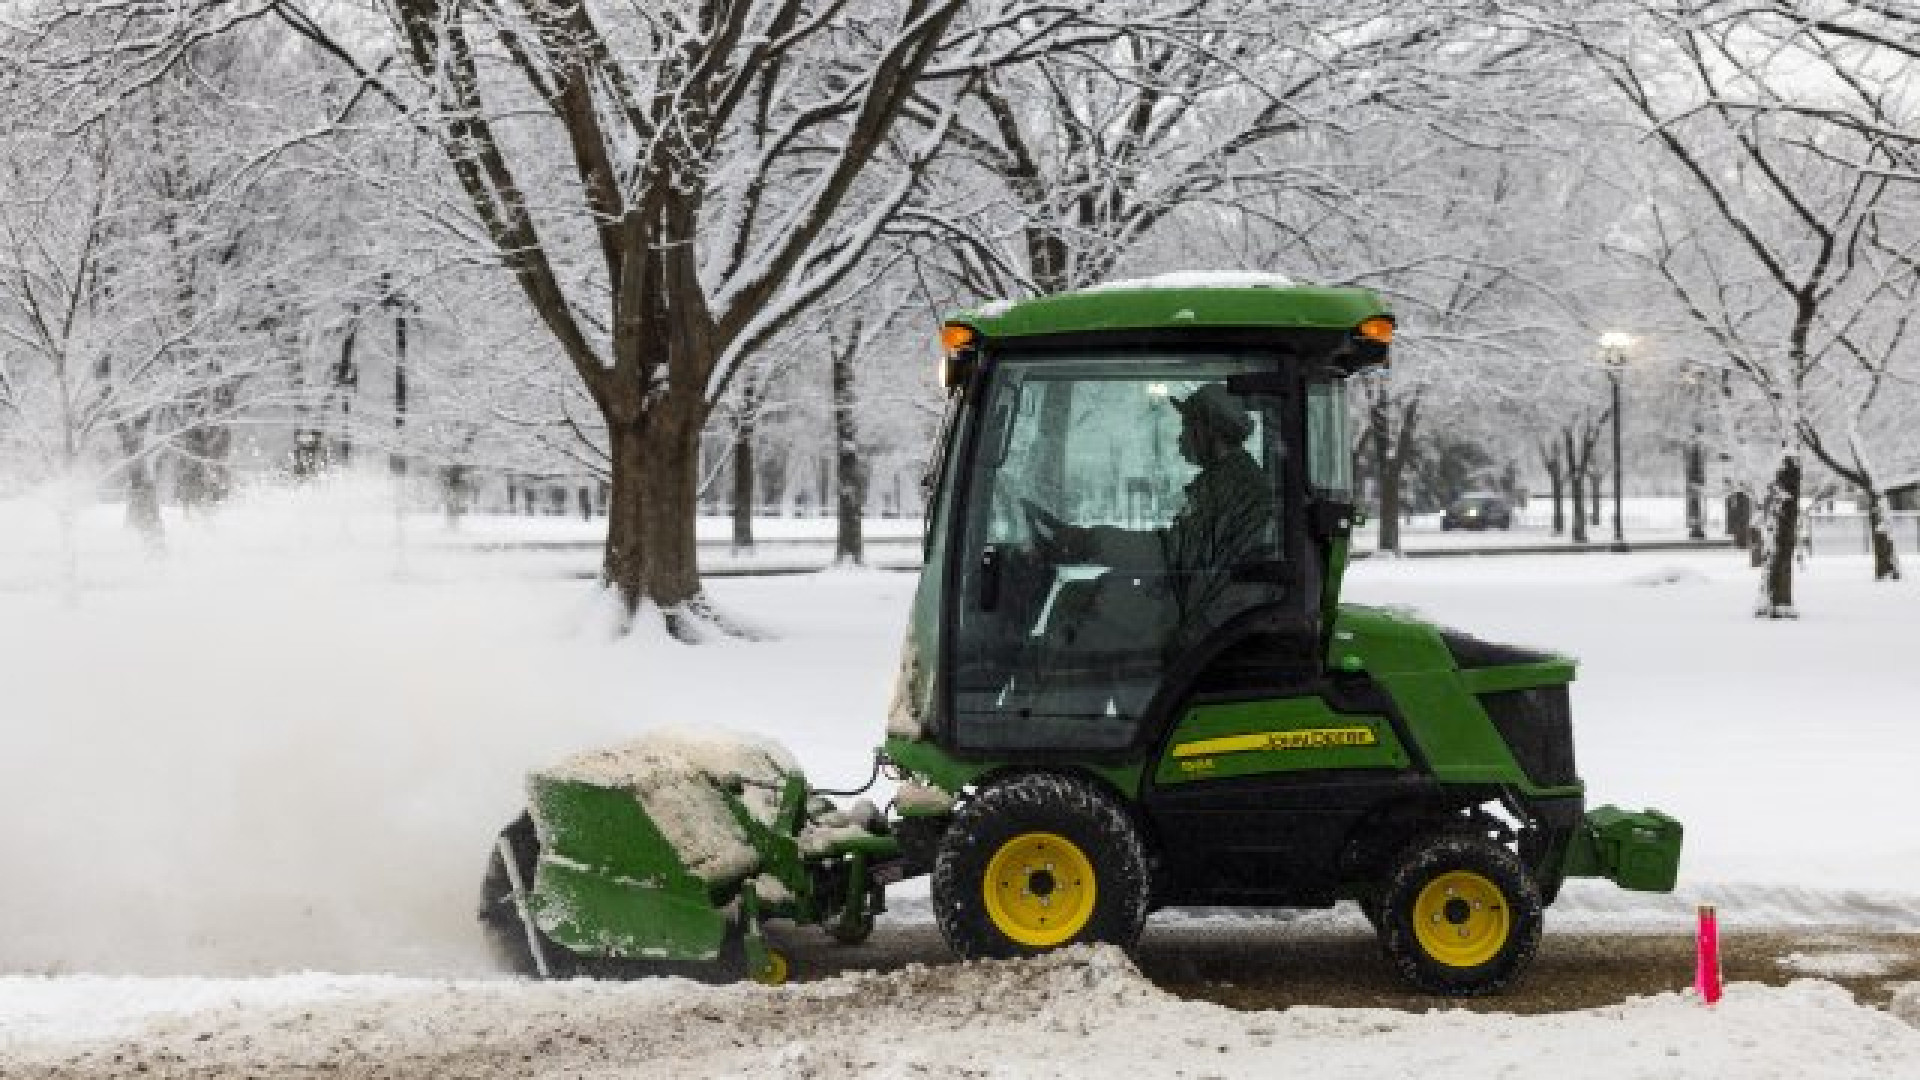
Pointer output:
1396, 641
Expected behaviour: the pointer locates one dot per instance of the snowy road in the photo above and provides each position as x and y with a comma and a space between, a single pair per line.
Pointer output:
1080, 1013
1332, 959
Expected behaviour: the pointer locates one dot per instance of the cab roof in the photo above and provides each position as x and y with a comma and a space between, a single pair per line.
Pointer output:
1179, 302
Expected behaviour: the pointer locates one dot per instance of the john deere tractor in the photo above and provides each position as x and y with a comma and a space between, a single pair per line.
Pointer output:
1128, 684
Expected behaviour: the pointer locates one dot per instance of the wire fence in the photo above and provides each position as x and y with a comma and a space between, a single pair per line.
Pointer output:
1847, 534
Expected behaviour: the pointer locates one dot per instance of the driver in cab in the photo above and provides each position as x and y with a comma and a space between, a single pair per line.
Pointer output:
1225, 519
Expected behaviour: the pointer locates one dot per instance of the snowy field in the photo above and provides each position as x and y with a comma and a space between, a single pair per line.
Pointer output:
286, 747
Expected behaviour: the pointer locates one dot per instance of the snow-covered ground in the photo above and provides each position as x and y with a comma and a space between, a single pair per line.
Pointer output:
285, 750
1083, 1013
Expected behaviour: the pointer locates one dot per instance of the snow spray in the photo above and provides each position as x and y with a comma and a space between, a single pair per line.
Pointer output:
1706, 969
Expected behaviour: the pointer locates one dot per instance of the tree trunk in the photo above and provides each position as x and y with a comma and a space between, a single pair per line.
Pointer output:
772, 472
850, 478
1579, 487
1556, 479
205, 477
455, 494
743, 475
1886, 561
1886, 558
143, 505
1783, 534
1593, 478
1696, 464
651, 554
1577, 466
397, 460
1050, 259
1740, 519
346, 382
1389, 476
143, 493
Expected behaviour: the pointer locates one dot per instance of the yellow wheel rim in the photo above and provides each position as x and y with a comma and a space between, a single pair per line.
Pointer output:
1040, 889
776, 971
1461, 919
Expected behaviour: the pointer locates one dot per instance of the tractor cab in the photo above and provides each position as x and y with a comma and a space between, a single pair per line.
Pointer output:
1142, 493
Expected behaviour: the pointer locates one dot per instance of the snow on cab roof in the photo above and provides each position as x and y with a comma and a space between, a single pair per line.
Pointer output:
1179, 301
1198, 279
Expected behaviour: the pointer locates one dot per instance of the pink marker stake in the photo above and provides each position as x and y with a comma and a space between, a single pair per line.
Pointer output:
1706, 972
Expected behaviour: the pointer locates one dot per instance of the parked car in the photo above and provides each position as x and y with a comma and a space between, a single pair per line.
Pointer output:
1478, 510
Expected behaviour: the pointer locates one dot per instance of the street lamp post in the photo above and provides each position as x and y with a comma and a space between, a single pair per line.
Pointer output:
1613, 352
1696, 463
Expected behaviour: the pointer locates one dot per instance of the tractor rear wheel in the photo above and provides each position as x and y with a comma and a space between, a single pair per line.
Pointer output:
1459, 916
1037, 862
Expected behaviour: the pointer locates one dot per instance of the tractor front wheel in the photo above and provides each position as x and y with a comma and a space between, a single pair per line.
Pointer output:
1459, 916
1037, 862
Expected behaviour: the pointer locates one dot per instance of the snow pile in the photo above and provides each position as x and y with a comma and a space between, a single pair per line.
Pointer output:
93, 1008
922, 799
830, 827
1838, 965
683, 780
1595, 903
1667, 575
1083, 1012
1198, 279
1906, 1004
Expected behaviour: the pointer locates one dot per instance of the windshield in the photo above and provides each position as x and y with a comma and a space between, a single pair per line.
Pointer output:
1329, 454
1106, 443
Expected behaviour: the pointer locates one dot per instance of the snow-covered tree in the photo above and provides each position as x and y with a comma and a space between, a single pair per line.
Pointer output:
1780, 234
673, 186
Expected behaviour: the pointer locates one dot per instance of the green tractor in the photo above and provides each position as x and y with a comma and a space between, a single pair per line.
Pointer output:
1128, 684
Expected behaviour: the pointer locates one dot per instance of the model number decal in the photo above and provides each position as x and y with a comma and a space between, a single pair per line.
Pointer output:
1297, 739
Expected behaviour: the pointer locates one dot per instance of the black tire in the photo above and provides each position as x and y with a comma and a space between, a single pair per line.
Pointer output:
1085, 827
500, 917
1496, 913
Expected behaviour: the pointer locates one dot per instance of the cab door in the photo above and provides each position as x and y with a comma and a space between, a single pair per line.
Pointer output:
1081, 581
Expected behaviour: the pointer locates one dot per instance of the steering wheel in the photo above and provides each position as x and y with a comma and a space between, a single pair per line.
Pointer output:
1049, 531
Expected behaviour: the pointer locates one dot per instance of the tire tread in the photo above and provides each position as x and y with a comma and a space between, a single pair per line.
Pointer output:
1040, 801
1419, 862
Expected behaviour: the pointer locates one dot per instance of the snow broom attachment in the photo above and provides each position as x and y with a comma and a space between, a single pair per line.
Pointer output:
671, 846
